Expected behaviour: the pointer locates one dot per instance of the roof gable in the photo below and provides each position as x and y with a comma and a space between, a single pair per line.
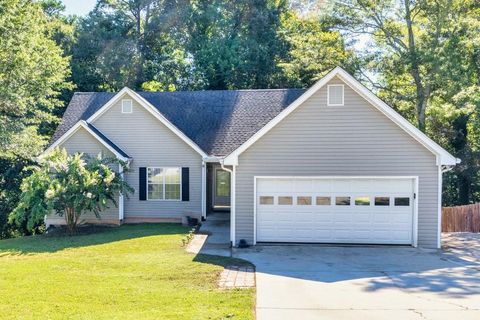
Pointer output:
150, 108
218, 121
443, 157
100, 137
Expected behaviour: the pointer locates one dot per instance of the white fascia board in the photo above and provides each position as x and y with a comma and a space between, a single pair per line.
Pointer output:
72, 130
150, 108
213, 159
443, 157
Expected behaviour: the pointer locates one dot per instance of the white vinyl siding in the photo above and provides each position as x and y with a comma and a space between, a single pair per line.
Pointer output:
321, 140
151, 143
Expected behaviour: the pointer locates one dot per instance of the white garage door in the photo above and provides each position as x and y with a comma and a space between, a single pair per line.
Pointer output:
335, 210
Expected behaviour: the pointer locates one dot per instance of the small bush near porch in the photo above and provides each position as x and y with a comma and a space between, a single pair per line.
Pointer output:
130, 272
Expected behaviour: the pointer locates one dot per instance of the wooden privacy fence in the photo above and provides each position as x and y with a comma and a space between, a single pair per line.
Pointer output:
461, 218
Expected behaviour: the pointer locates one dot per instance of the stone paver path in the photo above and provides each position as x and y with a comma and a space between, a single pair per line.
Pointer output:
197, 243
237, 277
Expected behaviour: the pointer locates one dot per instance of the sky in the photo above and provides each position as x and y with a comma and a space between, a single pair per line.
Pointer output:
78, 7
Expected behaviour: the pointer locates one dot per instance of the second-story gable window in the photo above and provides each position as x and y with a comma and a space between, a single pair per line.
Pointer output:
127, 106
335, 95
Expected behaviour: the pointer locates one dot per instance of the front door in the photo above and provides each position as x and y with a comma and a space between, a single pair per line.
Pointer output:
221, 189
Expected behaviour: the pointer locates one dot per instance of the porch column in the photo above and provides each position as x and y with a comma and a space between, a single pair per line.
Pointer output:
232, 205
121, 212
204, 190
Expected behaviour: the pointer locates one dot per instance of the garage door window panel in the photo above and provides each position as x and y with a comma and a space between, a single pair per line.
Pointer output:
284, 200
342, 201
402, 202
304, 201
362, 201
323, 201
382, 201
266, 200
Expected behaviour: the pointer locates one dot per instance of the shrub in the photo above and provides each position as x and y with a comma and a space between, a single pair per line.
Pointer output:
69, 186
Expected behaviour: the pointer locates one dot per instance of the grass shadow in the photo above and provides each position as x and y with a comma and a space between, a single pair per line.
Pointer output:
52, 243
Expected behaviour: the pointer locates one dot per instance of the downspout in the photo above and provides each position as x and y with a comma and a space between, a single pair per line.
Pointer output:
204, 189
121, 209
121, 198
232, 201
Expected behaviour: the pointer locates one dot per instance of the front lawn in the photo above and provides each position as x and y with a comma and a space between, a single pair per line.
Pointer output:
130, 272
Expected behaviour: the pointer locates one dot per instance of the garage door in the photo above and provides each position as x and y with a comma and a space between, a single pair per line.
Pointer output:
335, 210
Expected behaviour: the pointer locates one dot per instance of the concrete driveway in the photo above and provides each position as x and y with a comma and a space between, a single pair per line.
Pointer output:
323, 282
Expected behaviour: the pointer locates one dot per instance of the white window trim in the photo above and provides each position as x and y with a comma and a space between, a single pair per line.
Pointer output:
124, 101
164, 168
328, 95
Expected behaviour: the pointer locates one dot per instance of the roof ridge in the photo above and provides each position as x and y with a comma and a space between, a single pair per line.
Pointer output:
222, 90
195, 91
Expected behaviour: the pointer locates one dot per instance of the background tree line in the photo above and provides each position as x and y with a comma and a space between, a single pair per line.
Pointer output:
420, 56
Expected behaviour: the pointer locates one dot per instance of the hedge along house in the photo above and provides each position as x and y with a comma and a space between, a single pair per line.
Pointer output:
331, 164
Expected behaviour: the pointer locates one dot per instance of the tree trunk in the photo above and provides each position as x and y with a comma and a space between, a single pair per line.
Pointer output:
460, 145
70, 220
422, 93
463, 189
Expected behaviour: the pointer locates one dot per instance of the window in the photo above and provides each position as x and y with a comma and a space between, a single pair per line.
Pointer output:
222, 184
126, 106
342, 201
304, 201
324, 201
362, 201
266, 200
402, 202
285, 200
335, 95
163, 183
382, 201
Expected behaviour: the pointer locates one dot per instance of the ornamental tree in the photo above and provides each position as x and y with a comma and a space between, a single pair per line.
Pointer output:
69, 186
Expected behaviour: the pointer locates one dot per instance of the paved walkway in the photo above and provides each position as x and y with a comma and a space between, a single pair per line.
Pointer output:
214, 238
361, 282
237, 277
334, 282
462, 244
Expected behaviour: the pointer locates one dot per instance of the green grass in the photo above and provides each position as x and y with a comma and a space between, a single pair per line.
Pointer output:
130, 272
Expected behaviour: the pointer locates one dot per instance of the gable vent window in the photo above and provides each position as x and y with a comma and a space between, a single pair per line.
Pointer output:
126, 106
335, 95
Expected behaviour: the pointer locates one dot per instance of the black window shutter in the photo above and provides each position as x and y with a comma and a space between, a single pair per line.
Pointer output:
142, 183
185, 184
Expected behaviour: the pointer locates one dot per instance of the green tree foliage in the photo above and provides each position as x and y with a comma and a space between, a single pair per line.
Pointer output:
127, 43
235, 44
69, 186
12, 172
314, 48
32, 75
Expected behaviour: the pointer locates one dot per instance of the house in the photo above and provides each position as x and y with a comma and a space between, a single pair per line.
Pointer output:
331, 164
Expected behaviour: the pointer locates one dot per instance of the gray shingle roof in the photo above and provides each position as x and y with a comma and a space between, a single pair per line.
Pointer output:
217, 121
107, 141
